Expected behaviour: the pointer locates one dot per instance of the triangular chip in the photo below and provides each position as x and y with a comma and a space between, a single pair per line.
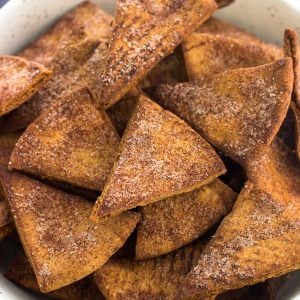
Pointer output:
87, 16
62, 244
220, 27
7, 144
174, 222
158, 278
19, 80
238, 111
258, 240
73, 141
21, 273
161, 149
208, 54
144, 33
170, 70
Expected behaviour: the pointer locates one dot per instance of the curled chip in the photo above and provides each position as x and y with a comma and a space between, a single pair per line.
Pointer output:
21, 273
62, 244
158, 278
159, 156
238, 111
73, 141
208, 54
258, 240
86, 17
177, 221
19, 80
144, 33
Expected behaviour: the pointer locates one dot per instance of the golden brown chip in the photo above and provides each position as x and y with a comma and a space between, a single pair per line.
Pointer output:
159, 156
158, 278
144, 33
87, 16
21, 273
19, 80
7, 144
216, 26
238, 111
209, 54
258, 240
170, 70
73, 141
62, 244
291, 49
174, 222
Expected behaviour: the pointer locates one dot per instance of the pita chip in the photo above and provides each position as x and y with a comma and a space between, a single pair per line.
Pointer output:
238, 111
220, 27
258, 240
19, 80
158, 278
177, 221
61, 243
73, 141
21, 273
7, 144
160, 148
144, 33
209, 54
86, 17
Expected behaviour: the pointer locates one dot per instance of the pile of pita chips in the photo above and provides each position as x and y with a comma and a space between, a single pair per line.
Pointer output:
19, 80
238, 111
167, 224
73, 141
160, 148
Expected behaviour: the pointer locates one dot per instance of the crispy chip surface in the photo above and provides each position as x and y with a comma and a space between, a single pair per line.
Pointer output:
19, 80
144, 33
73, 141
174, 222
238, 111
21, 273
209, 54
158, 278
258, 240
159, 156
62, 244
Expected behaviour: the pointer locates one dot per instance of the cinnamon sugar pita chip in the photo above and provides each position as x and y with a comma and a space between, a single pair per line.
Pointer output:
158, 278
258, 240
161, 149
21, 273
174, 222
86, 17
144, 33
73, 141
19, 80
209, 54
238, 111
220, 27
7, 144
62, 244
69, 58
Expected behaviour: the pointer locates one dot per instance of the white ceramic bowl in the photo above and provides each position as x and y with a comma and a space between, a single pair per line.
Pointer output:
23, 20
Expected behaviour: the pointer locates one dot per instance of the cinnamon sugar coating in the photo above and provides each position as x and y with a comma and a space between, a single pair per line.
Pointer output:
73, 141
159, 156
238, 111
21, 273
177, 221
209, 54
19, 80
144, 33
62, 244
158, 278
